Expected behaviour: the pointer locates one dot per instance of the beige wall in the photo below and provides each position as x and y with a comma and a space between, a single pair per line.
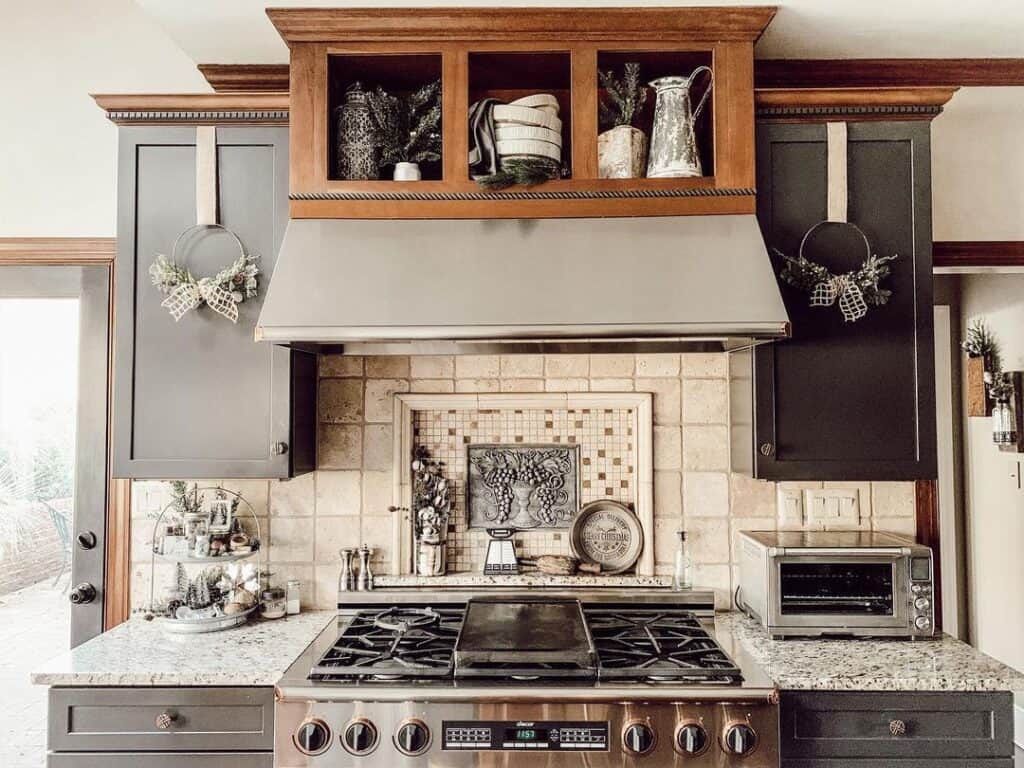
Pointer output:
345, 502
994, 504
58, 150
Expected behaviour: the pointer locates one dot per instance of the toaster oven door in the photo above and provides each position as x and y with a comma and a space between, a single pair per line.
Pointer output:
845, 594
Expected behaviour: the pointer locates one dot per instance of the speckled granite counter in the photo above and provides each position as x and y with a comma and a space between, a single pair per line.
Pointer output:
139, 653
943, 664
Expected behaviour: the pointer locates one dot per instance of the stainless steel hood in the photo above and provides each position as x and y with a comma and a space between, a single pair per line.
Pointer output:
454, 286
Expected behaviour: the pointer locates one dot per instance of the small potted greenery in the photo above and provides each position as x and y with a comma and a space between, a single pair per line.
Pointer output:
622, 148
408, 130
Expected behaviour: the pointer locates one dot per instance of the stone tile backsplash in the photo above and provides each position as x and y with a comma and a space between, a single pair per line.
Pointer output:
345, 502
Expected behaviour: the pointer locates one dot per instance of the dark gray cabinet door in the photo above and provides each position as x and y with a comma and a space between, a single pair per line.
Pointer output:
849, 400
199, 398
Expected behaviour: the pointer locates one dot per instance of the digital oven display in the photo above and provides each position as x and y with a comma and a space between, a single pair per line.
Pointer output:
513, 736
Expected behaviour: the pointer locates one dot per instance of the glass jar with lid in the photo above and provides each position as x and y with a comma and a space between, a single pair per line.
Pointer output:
273, 604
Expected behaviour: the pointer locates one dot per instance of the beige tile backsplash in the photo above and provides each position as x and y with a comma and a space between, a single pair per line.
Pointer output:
344, 503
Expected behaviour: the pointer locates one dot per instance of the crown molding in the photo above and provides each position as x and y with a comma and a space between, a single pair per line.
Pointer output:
796, 104
195, 108
28, 251
239, 78
878, 73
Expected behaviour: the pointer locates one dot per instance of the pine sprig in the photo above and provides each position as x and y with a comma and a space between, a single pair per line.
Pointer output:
624, 99
527, 172
407, 130
981, 342
804, 274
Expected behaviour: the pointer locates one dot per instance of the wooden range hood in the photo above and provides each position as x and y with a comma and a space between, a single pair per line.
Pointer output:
507, 53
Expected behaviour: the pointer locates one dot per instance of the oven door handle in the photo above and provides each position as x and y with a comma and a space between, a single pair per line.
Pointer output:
842, 551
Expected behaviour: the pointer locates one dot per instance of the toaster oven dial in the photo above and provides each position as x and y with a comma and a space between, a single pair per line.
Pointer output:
922, 622
312, 737
739, 739
922, 603
638, 738
360, 737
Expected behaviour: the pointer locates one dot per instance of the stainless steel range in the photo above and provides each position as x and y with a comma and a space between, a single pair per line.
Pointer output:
603, 680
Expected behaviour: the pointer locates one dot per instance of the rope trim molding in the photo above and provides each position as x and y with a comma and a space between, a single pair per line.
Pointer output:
609, 194
226, 115
886, 109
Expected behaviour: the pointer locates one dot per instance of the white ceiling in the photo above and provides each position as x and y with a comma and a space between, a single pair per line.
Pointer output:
238, 31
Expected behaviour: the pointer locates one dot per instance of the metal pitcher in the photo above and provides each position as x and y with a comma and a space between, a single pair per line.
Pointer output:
673, 151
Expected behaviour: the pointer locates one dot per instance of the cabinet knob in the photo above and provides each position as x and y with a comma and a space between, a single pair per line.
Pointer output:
767, 449
165, 720
897, 727
82, 594
280, 449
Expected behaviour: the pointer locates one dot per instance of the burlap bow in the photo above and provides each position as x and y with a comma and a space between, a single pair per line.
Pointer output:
189, 296
851, 298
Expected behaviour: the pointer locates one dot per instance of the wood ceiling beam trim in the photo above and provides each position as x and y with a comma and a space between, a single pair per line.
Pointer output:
977, 253
871, 73
30, 251
768, 73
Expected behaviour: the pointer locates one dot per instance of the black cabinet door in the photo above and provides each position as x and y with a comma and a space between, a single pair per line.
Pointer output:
848, 400
199, 398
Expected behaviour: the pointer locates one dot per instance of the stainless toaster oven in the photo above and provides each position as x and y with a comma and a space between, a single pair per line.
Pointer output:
836, 583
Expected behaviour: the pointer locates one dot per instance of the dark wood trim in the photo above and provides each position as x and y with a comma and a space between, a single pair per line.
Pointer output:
978, 253
91, 251
873, 73
768, 73
852, 104
446, 25
246, 78
927, 507
42, 251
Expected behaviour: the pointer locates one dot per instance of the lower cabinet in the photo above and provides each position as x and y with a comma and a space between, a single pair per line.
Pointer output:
881, 729
158, 727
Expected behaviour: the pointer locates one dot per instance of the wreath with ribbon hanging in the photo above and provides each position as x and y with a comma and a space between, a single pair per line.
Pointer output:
222, 293
854, 291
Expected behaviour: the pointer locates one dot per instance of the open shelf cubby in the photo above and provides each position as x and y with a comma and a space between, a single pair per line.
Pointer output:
400, 74
664, 63
511, 75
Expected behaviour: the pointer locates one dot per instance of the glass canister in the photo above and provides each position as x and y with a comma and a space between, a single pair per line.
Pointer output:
292, 596
273, 604
358, 154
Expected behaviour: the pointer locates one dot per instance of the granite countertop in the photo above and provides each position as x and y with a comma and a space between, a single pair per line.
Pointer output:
941, 664
140, 653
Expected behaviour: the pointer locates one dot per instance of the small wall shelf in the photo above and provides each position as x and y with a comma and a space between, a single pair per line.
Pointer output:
509, 53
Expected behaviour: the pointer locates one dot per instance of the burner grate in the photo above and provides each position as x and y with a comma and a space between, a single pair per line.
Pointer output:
393, 644
657, 646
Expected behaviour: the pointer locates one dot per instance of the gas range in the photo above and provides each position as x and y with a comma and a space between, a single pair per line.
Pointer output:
493, 680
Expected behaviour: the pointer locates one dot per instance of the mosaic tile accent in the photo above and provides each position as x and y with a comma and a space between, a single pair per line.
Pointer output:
607, 463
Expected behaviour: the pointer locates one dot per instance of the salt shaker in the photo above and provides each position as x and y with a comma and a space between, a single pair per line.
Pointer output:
364, 581
346, 580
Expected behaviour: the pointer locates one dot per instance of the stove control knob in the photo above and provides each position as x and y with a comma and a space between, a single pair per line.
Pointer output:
922, 603
312, 737
922, 622
360, 737
638, 738
691, 739
412, 738
739, 739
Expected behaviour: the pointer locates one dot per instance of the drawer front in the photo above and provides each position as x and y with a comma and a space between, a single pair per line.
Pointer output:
160, 760
905, 725
126, 719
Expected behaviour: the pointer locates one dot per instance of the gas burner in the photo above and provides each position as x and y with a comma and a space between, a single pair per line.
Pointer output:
404, 619
657, 646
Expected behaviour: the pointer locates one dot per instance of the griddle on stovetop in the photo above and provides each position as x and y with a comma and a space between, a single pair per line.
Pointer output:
509, 637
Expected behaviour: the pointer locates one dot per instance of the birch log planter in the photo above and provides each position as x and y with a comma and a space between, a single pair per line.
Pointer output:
978, 403
622, 153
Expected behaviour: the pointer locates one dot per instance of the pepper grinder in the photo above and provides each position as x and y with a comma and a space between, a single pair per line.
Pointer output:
346, 579
364, 581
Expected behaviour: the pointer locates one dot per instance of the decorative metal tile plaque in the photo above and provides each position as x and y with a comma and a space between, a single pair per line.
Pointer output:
522, 486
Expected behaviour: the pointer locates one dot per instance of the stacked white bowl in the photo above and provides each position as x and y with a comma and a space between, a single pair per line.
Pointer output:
529, 128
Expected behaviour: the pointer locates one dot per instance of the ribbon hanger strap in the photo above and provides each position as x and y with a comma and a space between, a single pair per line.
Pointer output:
837, 189
206, 175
